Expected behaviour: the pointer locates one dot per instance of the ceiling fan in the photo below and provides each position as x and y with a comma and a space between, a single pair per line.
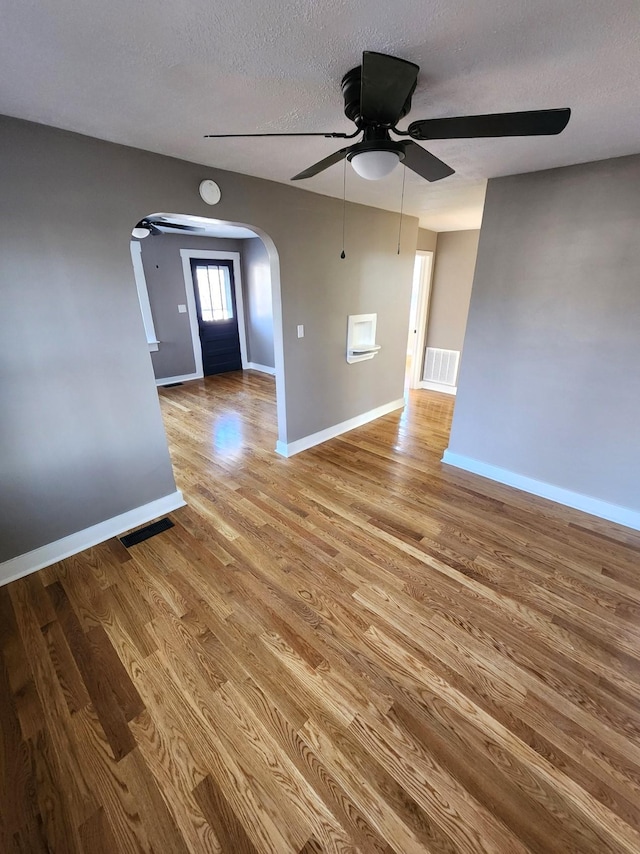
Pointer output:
377, 94
159, 225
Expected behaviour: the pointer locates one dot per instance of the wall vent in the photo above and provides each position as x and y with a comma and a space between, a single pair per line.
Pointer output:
441, 366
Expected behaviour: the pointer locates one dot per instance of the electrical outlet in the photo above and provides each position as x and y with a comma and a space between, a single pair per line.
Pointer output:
300, 331
182, 309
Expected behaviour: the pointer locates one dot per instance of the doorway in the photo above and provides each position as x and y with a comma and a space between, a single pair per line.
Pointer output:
231, 260
176, 349
217, 315
418, 317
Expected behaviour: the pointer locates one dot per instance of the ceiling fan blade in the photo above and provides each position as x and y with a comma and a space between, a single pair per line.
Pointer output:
177, 225
530, 123
424, 163
327, 134
321, 165
147, 223
386, 84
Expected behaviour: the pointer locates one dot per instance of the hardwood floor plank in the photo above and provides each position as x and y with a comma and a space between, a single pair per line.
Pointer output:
183, 748
17, 790
73, 687
243, 727
616, 834
85, 581
65, 762
324, 784
386, 805
29, 840
96, 835
159, 825
133, 614
106, 662
540, 831
252, 661
438, 792
108, 779
354, 650
39, 602
226, 825
99, 682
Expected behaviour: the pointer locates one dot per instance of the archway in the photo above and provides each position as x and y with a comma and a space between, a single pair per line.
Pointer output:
168, 300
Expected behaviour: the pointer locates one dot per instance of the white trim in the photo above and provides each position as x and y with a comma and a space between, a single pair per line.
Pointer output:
30, 562
212, 255
265, 369
422, 317
192, 312
183, 378
431, 386
586, 503
143, 295
288, 450
278, 336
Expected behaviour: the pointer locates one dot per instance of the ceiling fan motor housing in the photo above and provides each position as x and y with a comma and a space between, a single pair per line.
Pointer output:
376, 139
351, 89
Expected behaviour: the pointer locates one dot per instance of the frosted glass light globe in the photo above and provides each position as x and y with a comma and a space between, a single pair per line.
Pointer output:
374, 165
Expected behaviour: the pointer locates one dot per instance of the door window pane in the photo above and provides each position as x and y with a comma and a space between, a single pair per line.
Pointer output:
214, 291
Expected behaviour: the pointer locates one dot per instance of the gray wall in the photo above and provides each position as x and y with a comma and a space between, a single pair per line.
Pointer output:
258, 302
550, 384
165, 285
455, 262
82, 437
427, 240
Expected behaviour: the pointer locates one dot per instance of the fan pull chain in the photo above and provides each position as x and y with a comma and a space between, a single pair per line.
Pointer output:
404, 175
344, 205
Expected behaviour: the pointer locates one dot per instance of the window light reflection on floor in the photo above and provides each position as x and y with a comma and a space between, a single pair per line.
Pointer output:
228, 436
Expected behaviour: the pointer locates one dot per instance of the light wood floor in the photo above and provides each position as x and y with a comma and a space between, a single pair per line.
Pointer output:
356, 649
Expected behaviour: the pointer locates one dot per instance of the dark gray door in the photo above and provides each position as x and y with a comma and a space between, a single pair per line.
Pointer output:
217, 315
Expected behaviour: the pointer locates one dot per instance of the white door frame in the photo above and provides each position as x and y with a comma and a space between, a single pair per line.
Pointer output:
212, 255
143, 296
422, 316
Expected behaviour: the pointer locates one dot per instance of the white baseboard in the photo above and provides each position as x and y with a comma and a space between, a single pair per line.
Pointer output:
431, 386
265, 369
288, 450
24, 564
594, 506
181, 379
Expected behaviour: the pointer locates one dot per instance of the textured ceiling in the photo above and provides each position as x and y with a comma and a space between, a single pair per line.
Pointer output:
158, 74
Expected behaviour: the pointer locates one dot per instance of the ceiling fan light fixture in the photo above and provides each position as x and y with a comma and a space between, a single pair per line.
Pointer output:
374, 165
140, 232
377, 94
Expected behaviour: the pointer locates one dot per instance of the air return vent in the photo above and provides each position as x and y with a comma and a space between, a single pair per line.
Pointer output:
441, 366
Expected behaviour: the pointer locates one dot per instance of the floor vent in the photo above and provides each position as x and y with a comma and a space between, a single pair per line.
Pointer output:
148, 531
441, 366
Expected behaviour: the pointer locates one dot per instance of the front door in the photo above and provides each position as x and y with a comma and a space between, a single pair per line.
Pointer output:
217, 315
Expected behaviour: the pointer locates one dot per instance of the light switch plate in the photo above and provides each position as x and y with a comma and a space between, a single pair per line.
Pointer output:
300, 330
182, 309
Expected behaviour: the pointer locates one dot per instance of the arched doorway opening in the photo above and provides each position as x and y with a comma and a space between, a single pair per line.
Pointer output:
195, 275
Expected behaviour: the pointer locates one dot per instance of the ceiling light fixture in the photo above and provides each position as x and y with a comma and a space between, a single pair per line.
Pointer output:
209, 192
140, 232
374, 165
375, 159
